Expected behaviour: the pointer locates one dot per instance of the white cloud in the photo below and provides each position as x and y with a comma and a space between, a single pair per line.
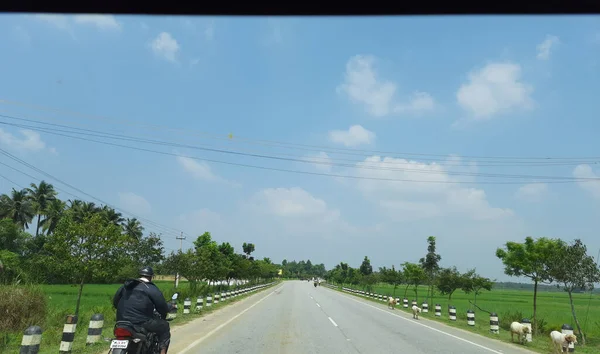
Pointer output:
418, 102
198, 169
413, 195
103, 22
321, 161
363, 86
532, 192
63, 22
209, 31
544, 48
292, 202
591, 186
134, 203
282, 222
59, 21
31, 141
295, 210
354, 136
165, 46
201, 170
494, 89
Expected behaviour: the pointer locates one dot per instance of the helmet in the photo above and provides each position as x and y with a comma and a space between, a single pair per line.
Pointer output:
147, 271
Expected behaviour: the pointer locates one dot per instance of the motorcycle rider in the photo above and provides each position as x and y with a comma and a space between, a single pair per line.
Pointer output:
135, 302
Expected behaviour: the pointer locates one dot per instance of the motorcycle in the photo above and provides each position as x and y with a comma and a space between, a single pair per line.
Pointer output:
131, 339
315, 284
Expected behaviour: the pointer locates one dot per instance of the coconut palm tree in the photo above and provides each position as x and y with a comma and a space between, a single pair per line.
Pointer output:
53, 213
133, 229
17, 207
112, 216
82, 210
41, 195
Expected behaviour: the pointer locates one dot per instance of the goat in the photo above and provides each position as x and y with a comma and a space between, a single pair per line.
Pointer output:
560, 340
416, 310
391, 302
520, 330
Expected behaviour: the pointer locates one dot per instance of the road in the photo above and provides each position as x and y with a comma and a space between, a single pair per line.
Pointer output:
296, 317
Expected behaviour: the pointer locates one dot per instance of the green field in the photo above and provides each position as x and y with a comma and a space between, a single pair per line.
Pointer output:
553, 311
95, 299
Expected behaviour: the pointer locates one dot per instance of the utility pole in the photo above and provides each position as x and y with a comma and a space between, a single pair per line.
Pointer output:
180, 238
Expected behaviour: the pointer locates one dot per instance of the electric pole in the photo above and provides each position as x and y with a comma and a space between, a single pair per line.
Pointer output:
180, 238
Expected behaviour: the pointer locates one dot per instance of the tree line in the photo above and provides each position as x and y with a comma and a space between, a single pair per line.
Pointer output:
79, 242
566, 266
302, 269
210, 261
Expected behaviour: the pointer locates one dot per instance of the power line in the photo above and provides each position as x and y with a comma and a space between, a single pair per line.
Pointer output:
21, 187
12, 182
157, 228
303, 172
360, 166
188, 131
160, 227
304, 159
311, 159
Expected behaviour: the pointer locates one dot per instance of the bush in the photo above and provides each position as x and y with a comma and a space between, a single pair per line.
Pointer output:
509, 317
21, 307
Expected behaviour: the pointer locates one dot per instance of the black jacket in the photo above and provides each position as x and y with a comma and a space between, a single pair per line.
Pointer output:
136, 300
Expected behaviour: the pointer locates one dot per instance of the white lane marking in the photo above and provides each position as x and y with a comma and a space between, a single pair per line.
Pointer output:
332, 321
312, 297
317, 304
200, 340
426, 326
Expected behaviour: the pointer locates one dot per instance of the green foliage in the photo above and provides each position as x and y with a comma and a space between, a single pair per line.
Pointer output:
248, 248
475, 283
531, 259
572, 268
79, 243
303, 269
11, 237
414, 275
85, 250
430, 263
391, 276
18, 207
366, 268
41, 196
448, 281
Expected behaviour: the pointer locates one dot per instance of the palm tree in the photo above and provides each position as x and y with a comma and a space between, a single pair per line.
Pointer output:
41, 195
112, 216
82, 210
17, 207
53, 213
133, 229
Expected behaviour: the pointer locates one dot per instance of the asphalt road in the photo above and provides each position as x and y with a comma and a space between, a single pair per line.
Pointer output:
296, 317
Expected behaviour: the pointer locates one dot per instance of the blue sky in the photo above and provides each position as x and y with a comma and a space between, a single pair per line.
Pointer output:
452, 87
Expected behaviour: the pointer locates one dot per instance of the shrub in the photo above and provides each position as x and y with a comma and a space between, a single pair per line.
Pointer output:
21, 307
509, 317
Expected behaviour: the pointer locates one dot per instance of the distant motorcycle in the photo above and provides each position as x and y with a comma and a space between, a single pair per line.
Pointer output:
130, 339
315, 284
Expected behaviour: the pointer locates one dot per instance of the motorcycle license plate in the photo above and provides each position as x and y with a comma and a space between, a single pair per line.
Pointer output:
119, 344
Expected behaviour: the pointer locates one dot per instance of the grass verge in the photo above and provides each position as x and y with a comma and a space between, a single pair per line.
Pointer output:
540, 343
96, 298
